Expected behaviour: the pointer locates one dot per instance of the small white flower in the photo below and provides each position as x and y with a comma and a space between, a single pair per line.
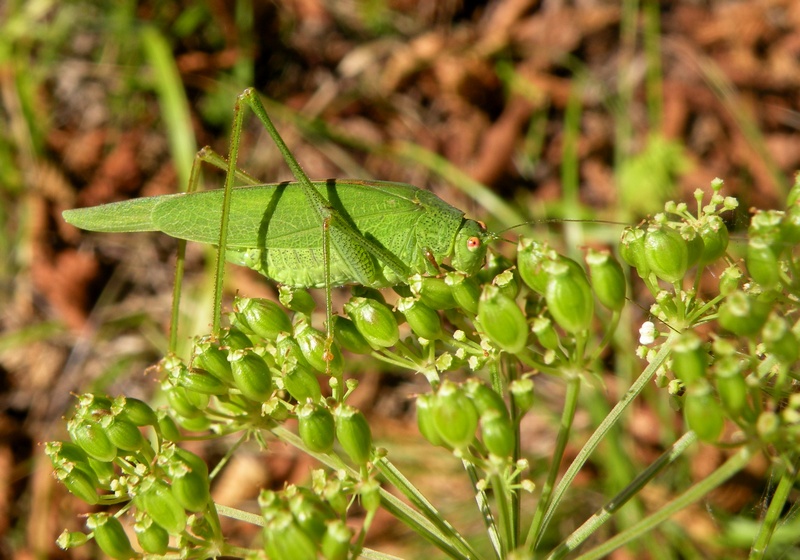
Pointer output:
647, 333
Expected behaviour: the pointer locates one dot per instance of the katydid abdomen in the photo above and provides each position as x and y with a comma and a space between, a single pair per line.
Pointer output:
275, 231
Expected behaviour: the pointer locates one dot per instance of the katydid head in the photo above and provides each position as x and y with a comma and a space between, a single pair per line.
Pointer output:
469, 252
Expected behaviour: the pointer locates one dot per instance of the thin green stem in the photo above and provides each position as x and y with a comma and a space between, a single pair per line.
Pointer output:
776, 504
723, 473
482, 501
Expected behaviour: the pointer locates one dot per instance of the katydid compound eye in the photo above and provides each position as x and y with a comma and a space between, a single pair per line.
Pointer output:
473, 243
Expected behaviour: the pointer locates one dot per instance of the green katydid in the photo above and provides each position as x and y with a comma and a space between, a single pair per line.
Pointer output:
304, 234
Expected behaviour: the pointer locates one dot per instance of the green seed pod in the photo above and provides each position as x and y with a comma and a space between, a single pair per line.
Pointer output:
92, 438
715, 238
768, 426
743, 315
297, 299
209, 357
426, 404
531, 255
790, 225
316, 427
288, 353
167, 428
336, 541
104, 471
302, 384
466, 291
497, 433
485, 399
311, 513
178, 400
374, 321
455, 416
689, 359
347, 336
124, 435
608, 280
135, 411
569, 297
424, 321
730, 383
313, 345
545, 333
632, 250
729, 280
762, 263
434, 292
285, 540
71, 539
779, 340
201, 381
69, 456
159, 503
502, 321
262, 317
694, 243
192, 461
370, 493
508, 283
666, 253
191, 490
79, 483
354, 434
236, 339
703, 414
522, 394
251, 375
152, 537
110, 536
197, 424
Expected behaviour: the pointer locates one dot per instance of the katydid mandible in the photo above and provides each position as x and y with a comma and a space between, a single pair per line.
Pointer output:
304, 234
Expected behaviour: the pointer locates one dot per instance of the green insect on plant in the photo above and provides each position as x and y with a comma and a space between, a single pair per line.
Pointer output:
305, 234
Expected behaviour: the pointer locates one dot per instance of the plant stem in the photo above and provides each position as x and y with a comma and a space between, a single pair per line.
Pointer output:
767, 527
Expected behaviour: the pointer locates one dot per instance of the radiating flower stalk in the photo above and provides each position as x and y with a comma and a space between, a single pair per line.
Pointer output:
480, 342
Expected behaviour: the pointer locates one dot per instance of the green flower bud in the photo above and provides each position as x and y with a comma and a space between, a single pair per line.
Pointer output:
79, 483
434, 292
632, 250
485, 399
730, 383
531, 255
666, 253
262, 317
71, 539
426, 404
689, 359
191, 490
608, 280
703, 414
347, 336
502, 321
455, 416
353, 433
152, 537
236, 339
743, 315
251, 375
779, 340
522, 394
159, 503
466, 291
297, 299
316, 427
302, 384
762, 262
313, 345
200, 381
209, 357
497, 433
374, 321
285, 540
424, 321
124, 435
336, 541
715, 237
92, 438
110, 536
569, 297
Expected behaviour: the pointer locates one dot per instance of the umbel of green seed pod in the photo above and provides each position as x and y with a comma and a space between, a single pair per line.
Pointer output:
347, 336
316, 427
466, 291
92, 438
631, 249
313, 346
374, 321
703, 413
779, 340
209, 357
434, 292
531, 255
336, 541
71, 539
569, 297
666, 253
123, 434
134, 410
689, 359
730, 383
424, 321
715, 238
455, 416
502, 321
152, 537
522, 394
285, 540
790, 224
159, 503
297, 299
191, 490
310, 512
262, 317
200, 381
251, 375
353, 433
545, 333
302, 384
608, 280
426, 406
762, 262
497, 433
485, 399
694, 243
742, 314
110, 536
79, 483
